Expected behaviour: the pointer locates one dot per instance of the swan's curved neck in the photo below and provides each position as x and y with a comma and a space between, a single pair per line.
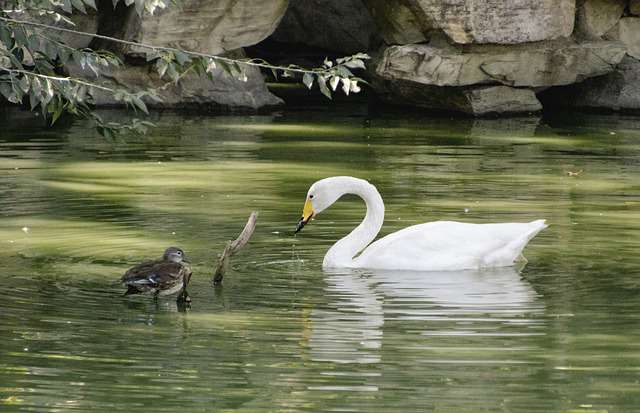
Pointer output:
341, 254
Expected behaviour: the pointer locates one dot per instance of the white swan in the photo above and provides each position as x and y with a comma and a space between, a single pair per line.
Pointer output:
434, 246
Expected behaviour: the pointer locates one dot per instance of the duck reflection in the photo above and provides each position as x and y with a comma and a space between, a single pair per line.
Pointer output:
449, 303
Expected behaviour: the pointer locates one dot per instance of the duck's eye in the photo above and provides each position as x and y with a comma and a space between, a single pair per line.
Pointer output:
179, 252
310, 196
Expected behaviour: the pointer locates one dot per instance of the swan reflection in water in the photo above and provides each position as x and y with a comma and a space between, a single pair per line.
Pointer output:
481, 303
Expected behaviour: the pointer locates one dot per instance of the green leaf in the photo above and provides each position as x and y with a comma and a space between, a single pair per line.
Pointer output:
24, 83
225, 66
79, 5
5, 37
59, 108
51, 50
355, 64
66, 6
34, 100
172, 72
64, 54
20, 35
36, 86
307, 79
161, 67
6, 90
139, 7
91, 3
181, 58
15, 61
323, 87
139, 104
343, 72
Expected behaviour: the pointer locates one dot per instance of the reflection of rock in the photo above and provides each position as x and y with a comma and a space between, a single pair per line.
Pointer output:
396, 22
343, 26
498, 21
596, 17
634, 7
511, 127
619, 90
206, 26
224, 90
533, 65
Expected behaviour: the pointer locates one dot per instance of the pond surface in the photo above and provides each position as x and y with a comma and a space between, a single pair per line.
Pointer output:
560, 335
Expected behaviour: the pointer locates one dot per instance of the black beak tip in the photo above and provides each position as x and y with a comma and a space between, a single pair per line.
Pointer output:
300, 225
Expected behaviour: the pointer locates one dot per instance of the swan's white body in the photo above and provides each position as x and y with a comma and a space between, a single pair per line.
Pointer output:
434, 246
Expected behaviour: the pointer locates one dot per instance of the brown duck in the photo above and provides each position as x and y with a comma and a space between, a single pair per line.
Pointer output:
165, 276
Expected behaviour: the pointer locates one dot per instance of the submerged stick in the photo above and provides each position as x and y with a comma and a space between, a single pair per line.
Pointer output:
233, 247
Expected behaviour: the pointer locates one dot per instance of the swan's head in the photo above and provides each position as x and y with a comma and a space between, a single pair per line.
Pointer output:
322, 195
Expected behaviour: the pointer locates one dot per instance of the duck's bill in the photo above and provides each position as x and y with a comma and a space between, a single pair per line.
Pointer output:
307, 214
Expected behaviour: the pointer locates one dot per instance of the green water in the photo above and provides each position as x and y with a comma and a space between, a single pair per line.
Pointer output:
561, 335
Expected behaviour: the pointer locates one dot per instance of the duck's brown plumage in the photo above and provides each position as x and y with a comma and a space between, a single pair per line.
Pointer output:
165, 276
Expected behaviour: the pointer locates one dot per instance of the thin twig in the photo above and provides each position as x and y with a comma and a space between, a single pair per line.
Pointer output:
233, 247
58, 78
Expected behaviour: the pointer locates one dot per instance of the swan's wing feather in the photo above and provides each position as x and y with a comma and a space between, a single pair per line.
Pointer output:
443, 245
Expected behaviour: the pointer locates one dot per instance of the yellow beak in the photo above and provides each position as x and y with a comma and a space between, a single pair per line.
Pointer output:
307, 214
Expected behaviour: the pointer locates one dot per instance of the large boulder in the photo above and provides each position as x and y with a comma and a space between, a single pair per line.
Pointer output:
596, 17
619, 90
342, 26
206, 26
397, 23
628, 32
534, 65
497, 21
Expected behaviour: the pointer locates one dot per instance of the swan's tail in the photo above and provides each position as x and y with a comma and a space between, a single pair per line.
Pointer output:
512, 251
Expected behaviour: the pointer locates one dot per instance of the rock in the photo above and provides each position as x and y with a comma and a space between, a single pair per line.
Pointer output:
619, 90
634, 7
223, 92
501, 99
343, 26
497, 21
596, 17
476, 101
628, 32
532, 65
397, 22
205, 26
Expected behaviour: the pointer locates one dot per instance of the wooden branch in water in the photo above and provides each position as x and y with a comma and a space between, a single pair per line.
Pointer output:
233, 247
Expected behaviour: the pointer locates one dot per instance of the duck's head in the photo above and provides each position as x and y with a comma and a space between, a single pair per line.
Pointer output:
174, 254
321, 195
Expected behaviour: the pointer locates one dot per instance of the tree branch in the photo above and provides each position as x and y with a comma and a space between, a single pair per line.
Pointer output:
233, 247
166, 49
59, 79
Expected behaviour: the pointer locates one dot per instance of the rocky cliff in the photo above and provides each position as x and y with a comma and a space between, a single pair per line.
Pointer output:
472, 56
